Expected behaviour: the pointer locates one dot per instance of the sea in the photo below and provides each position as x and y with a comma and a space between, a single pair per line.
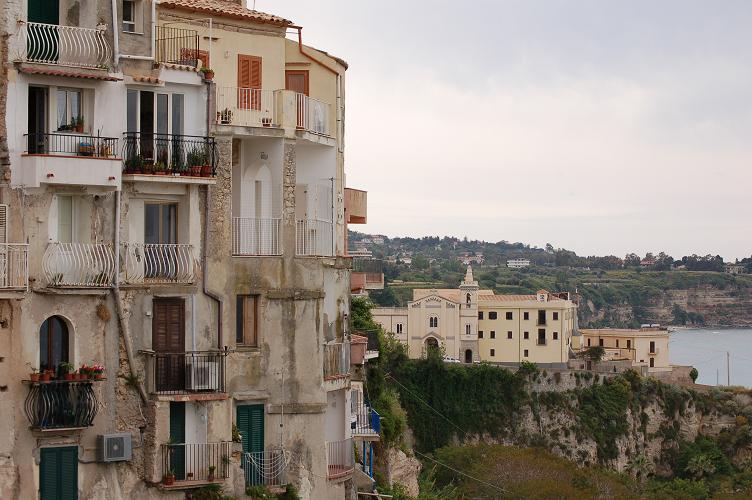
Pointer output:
706, 349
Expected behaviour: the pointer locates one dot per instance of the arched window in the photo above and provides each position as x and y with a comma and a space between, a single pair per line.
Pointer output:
432, 343
433, 322
468, 329
468, 356
53, 343
467, 299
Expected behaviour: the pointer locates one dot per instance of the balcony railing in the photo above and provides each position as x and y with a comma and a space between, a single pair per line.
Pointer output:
265, 467
177, 46
90, 265
246, 107
71, 145
340, 459
169, 154
312, 114
186, 372
336, 360
366, 422
191, 461
159, 263
14, 266
61, 404
66, 45
313, 237
256, 236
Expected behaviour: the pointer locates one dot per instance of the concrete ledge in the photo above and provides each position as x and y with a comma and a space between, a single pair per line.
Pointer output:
298, 408
293, 294
250, 395
169, 179
72, 291
209, 396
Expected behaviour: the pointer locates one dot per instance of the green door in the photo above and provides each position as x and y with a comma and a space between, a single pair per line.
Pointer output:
58, 473
177, 437
250, 422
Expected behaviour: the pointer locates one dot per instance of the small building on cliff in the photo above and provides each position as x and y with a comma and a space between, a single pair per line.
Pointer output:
644, 347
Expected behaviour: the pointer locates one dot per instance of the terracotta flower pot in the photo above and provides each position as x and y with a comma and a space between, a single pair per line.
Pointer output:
70, 376
206, 171
196, 171
34, 377
44, 377
168, 480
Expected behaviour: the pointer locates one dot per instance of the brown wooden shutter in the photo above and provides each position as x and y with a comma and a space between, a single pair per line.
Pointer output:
249, 82
297, 81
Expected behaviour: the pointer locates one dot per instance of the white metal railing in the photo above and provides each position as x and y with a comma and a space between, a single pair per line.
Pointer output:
312, 114
265, 467
246, 107
65, 45
79, 264
340, 458
256, 236
314, 237
159, 263
336, 360
361, 414
14, 265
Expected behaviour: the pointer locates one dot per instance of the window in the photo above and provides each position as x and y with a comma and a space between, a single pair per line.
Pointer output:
433, 322
246, 317
652, 347
600, 342
509, 315
249, 77
556, 315
588, 342
509, 334
69, 108
492, 315
467, 329
556, 335
480, 314
493, 352
542, 317
129, 15
526, 335
617, 342
53, 343
160, 224
541, 336
467, 300
297, 81
480, 334
525, 353
526, 315
629, 344
652, 362
493, 334
399, 327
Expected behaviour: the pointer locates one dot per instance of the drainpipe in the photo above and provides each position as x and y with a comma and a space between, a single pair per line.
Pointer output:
207, 292
300, 48
115, 34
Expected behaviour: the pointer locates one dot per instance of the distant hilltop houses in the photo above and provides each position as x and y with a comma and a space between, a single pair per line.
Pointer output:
518, 263
469, 258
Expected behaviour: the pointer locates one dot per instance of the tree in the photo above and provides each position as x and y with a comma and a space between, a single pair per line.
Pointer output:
594, 353
693, 374
640, 467
631, 260
420, 262
700, 466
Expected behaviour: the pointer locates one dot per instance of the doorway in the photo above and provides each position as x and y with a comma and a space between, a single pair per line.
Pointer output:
168, 343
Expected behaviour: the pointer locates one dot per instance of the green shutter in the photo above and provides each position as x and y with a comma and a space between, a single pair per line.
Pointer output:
250, 422
177, 435
43, 11
58, 473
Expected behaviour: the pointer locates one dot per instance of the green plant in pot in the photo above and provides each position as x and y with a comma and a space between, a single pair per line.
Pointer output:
212, 470
66, 370
169, 478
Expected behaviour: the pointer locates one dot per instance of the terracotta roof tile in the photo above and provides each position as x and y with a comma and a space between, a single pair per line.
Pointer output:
147, 79
225, 8
505, 298
72, 74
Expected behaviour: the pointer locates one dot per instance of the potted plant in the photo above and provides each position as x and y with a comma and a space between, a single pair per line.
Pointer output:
104, 150
225, 116
208, 73
134, 164
34, 375
169, 478
84, 372
66, 370
45, 376
212, 468
97, 371
267, 120
148, 167
160, 168
189, 476
79, 124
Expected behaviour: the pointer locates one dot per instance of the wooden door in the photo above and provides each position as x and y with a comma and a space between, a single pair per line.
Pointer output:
168, 343
249, 82
297, 81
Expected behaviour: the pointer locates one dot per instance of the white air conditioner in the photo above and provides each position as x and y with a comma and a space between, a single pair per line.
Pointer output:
202, 375
114, 447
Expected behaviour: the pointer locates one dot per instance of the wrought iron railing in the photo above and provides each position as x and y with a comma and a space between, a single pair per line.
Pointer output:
71, 145
265, 468
336, 360
66, 45
186, 372
313, 237
256, 236
192, 461
366, 422
79, 265
340, 458
61, 404
163, 154
312, 114
159, 263
176, 46
14, 265
246, 107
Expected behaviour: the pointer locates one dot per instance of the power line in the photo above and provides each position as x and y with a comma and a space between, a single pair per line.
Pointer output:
499, 488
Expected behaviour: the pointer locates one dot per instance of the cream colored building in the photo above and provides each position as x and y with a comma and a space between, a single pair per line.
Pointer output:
477, 325
644, 347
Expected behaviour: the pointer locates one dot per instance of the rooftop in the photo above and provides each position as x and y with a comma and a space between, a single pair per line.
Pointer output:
225, 8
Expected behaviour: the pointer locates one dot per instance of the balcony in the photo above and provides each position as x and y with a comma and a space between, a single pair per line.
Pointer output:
314, 237
151, 264
65, 45
57, 158
159, 156
61, 404
336, 360
312, 115
256, 236
190, 463
79, 265
192, 373
366, 422
340, 459
177, 46
356, 206
246, 107
265, 467
14, 266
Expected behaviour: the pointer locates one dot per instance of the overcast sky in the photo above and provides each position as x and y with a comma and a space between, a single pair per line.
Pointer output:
601, 127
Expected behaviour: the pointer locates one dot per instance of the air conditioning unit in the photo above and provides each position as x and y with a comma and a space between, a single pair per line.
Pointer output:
202, 376
114, 447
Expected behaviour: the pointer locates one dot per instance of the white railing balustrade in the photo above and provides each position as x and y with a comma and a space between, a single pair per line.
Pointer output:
159, 263
246, 107
256, 236
79, 264
314, 237
14, 265
312, 114
65, 45
336, 360
340, 458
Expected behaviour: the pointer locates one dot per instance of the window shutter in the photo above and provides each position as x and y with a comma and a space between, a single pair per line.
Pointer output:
250, 422
3, 223
249, 82
58, 473
177, 435
69, 472
48, 474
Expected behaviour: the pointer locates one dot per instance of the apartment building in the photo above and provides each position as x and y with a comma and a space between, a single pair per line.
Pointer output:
186, 230
475, 325
645, 347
